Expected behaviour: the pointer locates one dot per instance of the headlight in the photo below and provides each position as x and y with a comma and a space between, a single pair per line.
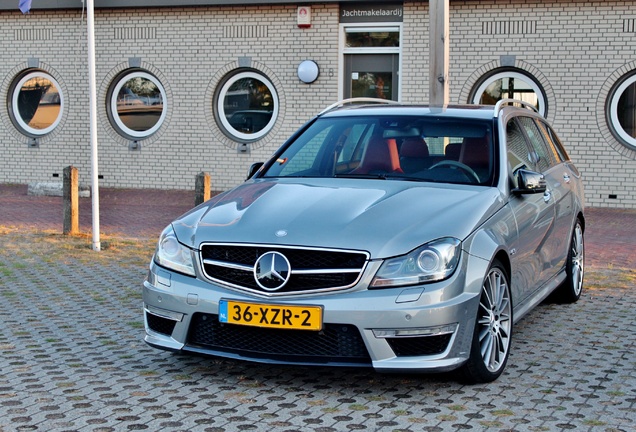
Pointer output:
435, 261
172, 254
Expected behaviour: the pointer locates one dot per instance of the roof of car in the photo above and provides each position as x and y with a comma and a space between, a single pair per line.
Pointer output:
470, 111
366, 106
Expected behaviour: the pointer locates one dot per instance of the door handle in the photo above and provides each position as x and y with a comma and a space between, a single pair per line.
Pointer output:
566, 177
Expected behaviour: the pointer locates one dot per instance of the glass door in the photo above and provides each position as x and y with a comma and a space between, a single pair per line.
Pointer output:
371, 62
369, 75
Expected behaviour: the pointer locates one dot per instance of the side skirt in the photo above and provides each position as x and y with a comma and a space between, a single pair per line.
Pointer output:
522, 309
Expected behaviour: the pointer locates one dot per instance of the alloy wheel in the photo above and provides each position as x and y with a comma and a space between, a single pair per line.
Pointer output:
578, 260
494, 322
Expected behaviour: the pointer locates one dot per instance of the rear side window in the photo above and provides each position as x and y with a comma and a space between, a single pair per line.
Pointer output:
517, 149
553, 142
541, 154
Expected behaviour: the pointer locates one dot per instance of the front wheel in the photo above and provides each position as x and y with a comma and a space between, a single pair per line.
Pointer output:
571, 289
493, 329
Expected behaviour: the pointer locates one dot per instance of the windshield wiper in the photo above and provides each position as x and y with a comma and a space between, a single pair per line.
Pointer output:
384, 176
362, 176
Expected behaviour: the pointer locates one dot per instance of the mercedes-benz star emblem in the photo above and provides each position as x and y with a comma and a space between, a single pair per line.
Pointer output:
272, 271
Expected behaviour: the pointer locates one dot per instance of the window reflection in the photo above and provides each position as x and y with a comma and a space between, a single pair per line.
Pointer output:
37, 103
138, 104
365, 39
372, 84
627, 110
247, 106
510, 85
509, 88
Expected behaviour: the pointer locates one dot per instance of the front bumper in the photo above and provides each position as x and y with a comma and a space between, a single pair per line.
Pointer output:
420, 329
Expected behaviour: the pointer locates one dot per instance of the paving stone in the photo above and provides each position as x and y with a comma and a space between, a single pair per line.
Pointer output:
73, 359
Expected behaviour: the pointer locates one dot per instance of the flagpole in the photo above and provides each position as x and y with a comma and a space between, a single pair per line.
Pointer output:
93, 122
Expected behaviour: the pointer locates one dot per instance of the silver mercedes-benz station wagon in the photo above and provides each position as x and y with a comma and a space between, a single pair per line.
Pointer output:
405, 238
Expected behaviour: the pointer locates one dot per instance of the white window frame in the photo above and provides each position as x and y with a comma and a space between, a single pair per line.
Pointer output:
613, 112
115, 113
368, 27
16, 112
516, 75
221, 110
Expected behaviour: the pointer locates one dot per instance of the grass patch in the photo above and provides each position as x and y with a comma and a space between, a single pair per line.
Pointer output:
35, 247
330, 410
502, 413
594, 422
457, 407
608, 278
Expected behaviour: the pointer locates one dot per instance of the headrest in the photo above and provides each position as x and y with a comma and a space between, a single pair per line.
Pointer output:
414, 147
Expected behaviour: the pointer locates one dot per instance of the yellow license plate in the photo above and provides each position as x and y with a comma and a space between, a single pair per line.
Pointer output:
270, 315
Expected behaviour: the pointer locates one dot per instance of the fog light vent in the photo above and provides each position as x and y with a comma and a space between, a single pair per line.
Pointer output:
160, 325
419, 346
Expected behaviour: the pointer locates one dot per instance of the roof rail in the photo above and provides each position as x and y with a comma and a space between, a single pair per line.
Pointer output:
358, 100
511, 102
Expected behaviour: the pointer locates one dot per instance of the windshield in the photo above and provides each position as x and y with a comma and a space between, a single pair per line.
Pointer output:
437, 149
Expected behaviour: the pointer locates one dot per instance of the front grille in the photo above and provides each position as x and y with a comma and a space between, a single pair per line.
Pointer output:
311, 269
159, 324
419, 346
336, 343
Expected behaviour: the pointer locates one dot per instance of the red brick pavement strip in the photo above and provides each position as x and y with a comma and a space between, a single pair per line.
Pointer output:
141, 213
133, 213
610, 237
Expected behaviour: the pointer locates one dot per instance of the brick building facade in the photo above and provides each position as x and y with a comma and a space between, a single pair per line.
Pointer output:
580, 55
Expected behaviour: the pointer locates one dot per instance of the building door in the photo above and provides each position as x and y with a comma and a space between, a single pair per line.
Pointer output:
371, 60
371, 75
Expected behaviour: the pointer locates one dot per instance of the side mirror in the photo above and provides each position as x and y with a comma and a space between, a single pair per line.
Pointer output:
529, 182
254, 169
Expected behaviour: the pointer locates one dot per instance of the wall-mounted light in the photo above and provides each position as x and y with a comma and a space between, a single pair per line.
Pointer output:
308, 71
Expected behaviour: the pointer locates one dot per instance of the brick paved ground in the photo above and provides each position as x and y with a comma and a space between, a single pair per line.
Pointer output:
72, 356
126, 212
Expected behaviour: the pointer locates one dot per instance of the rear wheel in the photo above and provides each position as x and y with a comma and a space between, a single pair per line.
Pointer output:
493, 329
571, 289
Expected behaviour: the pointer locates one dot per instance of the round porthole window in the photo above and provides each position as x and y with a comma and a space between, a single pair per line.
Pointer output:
37, 103
622, 111
510, 85
138, 105
246, 106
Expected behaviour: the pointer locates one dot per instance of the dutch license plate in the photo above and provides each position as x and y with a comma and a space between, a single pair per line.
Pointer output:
271, 316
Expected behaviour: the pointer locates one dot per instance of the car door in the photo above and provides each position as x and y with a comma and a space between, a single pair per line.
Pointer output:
557, 179
534, 214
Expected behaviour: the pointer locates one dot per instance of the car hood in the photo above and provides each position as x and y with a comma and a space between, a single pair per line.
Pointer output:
384, 217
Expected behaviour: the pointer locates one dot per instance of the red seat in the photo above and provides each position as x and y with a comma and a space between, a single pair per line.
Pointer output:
380, 156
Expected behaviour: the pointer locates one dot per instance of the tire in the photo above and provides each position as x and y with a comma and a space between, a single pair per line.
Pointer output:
490, 347
570, 290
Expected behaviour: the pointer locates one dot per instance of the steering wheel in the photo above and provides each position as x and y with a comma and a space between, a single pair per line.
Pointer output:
472, 175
